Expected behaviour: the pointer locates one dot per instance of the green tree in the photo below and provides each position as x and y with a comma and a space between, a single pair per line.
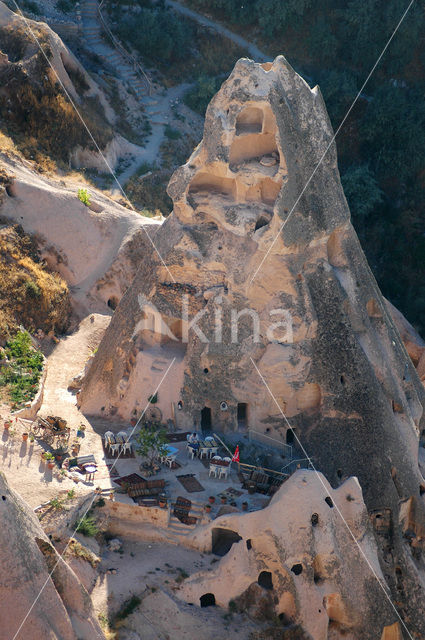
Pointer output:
151, 444
361, 190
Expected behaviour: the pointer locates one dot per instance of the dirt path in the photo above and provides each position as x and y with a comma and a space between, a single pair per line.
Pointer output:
253, 50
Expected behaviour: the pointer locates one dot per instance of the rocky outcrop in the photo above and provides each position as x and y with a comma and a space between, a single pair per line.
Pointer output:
58, 606
261, 234
295, 563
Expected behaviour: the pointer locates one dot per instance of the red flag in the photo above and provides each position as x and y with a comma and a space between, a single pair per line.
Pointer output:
236, 454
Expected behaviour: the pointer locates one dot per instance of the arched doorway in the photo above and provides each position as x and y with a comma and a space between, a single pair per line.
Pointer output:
290, 436
206, 419
242, 415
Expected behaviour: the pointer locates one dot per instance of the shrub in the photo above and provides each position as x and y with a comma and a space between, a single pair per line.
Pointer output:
84, 197
128, 607
21, 375
88, 526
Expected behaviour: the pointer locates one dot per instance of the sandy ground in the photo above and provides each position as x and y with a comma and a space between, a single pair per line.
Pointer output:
153, 572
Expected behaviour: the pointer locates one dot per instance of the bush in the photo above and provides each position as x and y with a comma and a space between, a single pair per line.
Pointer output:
84, 196
21, 375
200, 95
88, 526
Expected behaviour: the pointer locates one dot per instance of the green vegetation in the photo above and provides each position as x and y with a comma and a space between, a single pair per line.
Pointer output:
66, 6
79, 551
178, 47
171, 133
199, 96
151, 444
88, 526
128, 608
20, 374
84, 197
380, 146
56, 504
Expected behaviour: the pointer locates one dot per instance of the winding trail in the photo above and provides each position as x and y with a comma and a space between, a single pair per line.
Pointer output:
253, 50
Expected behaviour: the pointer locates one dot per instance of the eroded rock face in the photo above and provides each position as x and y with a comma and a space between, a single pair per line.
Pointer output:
63, 611
285, 568
260, 228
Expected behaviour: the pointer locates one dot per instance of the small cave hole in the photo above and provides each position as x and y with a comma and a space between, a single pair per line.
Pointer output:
220, 248
222, 540
297, 569
329, 502
113, 302
206, 370
314, 519
10, 190
339, 473
249, 544
265, 580
207, 600
3, 498
284, 619
261, 222
421, 489
318, 579
342, 379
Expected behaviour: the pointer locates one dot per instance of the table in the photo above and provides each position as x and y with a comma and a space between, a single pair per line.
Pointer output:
210, 447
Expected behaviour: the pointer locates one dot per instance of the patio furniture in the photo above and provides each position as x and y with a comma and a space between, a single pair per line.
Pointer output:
204, 452
127, 446
114, 448
213, 470
216, 458
192, 452
224, 472
109, 439
121, 437
227, 459
146, 488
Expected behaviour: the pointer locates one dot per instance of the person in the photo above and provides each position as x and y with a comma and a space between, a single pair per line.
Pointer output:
193, 441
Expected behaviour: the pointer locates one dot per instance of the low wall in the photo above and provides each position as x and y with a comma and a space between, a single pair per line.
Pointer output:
124, 519
30, 412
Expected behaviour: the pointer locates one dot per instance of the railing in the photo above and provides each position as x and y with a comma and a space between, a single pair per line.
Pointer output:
310, 464
268, 440
123, 51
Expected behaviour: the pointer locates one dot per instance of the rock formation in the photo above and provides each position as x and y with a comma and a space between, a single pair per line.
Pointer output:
296, 562
336, 364
63, 610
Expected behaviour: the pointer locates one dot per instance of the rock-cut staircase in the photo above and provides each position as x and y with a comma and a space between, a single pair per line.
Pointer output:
115, 58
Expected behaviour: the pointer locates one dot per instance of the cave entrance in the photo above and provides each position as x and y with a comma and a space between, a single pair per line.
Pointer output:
222, 540
206, 419
265, 580
242, 414
207, 600
290, 436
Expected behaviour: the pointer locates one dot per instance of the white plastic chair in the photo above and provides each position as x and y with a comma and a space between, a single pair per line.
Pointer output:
227, 459
203, 452
109, 438
212, 471
191, 452
224, 472
114, 448
127, 446
217, 458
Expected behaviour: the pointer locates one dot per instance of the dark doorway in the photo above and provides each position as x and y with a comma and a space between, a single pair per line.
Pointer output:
265, 580
206, 419
242, 414
207, 600
290, 436
222, 541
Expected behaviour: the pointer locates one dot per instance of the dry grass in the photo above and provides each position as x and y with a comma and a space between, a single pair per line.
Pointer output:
77, 550
31, 296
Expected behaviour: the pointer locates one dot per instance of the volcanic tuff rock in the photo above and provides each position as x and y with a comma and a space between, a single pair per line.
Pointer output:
63, 610
338, 369
290, 562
